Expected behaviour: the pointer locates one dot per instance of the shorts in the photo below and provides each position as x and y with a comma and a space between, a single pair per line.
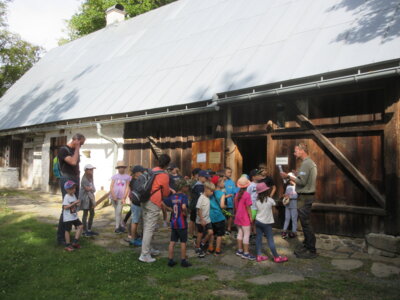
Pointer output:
193, 214
219, 228
136, 214
202, 229
179, 235
68, 225
253, 214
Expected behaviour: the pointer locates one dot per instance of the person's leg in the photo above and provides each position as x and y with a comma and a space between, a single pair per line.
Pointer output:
115, 205
150, 222
60, 228
78, 232
119, 207
287, 218
259, 238
67, 237
84, 219
229, 228
304, 216
171, 250
200, 230
127, 216
183, 251
211, 243
246, 238
270, 238
294, 215
240, 239
91, 217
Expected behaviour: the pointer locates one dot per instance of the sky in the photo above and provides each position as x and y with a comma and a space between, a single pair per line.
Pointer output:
41, 22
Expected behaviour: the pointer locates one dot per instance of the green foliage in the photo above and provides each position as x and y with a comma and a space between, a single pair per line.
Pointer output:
91, 16
16, 55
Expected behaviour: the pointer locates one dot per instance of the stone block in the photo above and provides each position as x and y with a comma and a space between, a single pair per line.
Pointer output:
382, 270
374, 251
384, 242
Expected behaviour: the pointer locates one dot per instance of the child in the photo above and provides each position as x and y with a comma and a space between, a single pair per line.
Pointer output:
177, 205
70, 216
203, 220
230, 189
217, 203
290, 209
88, 201
243, 219
136, 210
192, 183
197, 190
255, 176
264, 221
267, 179
119, 190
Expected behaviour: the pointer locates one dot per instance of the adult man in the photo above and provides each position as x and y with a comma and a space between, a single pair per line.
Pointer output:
68, 157
151, 209
305, 188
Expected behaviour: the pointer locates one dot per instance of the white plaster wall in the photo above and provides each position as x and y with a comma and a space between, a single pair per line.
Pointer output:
101, 153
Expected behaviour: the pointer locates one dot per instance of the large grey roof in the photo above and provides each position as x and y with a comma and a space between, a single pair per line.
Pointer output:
191, 49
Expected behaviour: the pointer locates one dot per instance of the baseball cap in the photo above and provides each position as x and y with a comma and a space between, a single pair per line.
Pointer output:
204, 173
179, 184
89, 167
69, 184
137, 168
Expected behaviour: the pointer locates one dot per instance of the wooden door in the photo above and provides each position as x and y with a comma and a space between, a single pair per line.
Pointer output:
208, 154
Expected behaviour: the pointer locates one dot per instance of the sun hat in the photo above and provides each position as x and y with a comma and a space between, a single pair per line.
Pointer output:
261, 187
181, 183
243, 182
121, 164
69, 184
204, 173
137, 168
89, 167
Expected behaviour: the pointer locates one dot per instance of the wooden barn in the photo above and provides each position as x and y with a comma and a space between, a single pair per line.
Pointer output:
235, 84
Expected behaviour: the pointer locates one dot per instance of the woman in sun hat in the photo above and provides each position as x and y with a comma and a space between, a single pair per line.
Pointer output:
264, 221
243, 218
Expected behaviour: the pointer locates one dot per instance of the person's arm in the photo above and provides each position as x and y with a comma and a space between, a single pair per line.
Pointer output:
164, 185
112, 190
248, 208
126, 193
184, 209
222, 202
73, 160
273, 190
202, 221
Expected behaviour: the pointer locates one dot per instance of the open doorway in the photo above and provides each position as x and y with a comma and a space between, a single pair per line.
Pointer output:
253, 151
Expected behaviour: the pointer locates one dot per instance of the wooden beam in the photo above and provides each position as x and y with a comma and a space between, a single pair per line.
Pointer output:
337, 154
374, 211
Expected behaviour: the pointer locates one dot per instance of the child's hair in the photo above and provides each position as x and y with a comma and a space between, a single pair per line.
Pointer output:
209, 185
221, 179
240, 193
262, 196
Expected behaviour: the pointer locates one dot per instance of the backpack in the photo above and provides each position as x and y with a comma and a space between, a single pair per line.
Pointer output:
56, 167
141, 191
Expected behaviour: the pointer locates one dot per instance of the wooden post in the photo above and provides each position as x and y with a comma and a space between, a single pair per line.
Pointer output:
392, 160
231, 149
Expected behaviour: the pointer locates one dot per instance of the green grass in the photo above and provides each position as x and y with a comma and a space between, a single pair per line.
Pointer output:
33, 267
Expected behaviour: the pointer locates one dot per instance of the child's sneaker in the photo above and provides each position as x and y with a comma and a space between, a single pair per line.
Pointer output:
218, 253
201, 253
239, 253
118, 230
261, 258
280, 259
76, 245
292, 235
248, 256
284, 234
210, 250
93, 233
171, 263
69, 248
86, 234
228, 233
185, 264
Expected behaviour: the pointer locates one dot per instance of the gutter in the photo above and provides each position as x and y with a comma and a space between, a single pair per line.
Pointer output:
114, 142
221, 99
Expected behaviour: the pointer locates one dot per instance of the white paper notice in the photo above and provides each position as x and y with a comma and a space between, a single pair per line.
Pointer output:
201, 157
282, 160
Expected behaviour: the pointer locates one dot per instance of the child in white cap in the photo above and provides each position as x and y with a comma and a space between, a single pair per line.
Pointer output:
88, 201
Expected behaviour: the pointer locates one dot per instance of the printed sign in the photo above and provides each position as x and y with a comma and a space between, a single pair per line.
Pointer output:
201, 157
215, 157
282, 160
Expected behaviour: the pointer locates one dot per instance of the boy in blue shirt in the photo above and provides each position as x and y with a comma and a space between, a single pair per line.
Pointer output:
177, 205
230, 190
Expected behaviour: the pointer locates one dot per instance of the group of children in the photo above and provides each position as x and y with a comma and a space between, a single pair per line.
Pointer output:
211, 202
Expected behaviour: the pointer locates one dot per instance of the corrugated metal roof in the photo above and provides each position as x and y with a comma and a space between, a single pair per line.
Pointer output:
191, 49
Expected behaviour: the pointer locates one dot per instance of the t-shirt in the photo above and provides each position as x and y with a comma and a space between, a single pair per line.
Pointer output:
291, 192
264, 211
230, 188
84, 195
242, 217
197, 190
120, 182
67, 170
268, 181
176, 201
216, 214
252, 190
69, 214
203, 203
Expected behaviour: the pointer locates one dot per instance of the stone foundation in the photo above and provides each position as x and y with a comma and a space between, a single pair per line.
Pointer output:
9, 178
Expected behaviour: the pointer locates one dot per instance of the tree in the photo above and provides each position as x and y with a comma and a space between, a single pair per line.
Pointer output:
16, 55
91, 15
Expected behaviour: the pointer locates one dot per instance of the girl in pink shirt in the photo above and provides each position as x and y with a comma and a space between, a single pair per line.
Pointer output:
243, 219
